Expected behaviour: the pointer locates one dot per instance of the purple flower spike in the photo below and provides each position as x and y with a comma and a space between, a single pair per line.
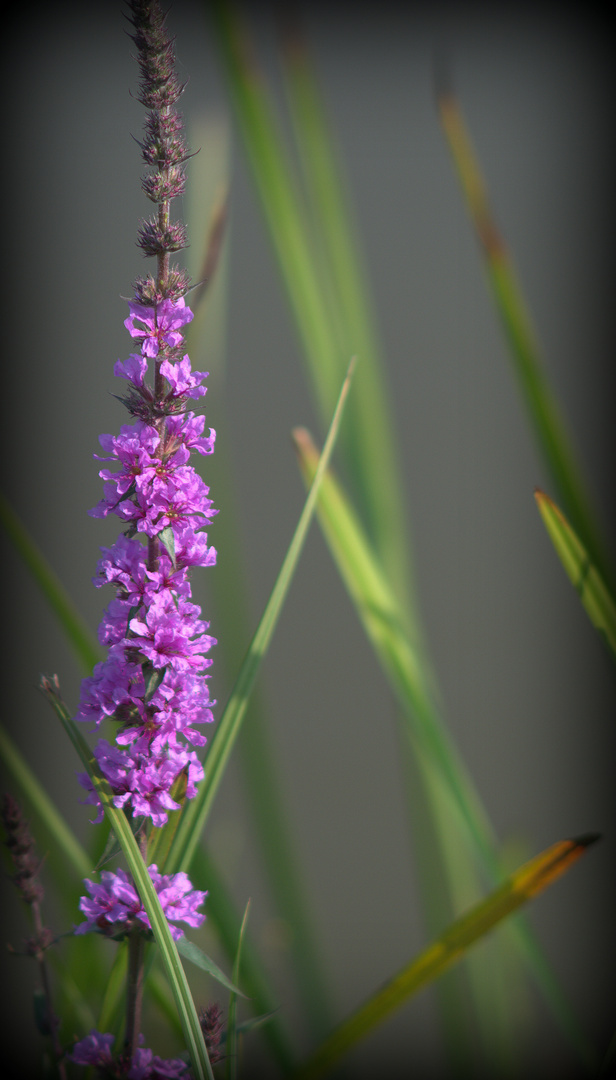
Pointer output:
161, 324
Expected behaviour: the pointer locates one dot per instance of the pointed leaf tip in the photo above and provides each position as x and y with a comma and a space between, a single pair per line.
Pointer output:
586, 839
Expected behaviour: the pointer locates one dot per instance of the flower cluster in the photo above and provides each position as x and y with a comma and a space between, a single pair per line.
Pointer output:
97, 1050
114, 908
153, 681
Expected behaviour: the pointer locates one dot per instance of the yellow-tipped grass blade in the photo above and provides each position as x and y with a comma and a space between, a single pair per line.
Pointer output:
596, 598
523, 885
544, 412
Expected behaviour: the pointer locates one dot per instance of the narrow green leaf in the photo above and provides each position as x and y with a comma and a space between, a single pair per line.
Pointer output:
74, 854
596, 598
232, 1033
76, 630
192, 952
191, 1028
370, 444
284, 212
196, 812
542, 407
167, 539
385, 627
223, 913
114, 989
523, 885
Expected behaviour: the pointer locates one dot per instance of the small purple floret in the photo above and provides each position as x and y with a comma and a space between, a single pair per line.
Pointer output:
160, 325
113, 907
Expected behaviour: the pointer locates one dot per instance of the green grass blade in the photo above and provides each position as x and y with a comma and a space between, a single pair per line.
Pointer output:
191, 1028
76, 630
114, 990
196, 813
222, 911
284, 212
370, 443
232, 1032
384, 624
596, 598
543, 410
192, 952
72, 851
522, 886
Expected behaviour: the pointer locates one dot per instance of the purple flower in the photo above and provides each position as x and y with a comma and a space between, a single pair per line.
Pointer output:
183, 381
113, 907
161, 324
95, 1049
133, 369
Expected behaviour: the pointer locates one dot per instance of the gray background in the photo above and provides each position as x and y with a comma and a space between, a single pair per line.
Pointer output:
526, 687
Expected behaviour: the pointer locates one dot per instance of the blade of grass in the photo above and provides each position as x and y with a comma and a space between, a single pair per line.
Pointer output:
330, 247
283, 210
72, 851
232, 1039
384, 625
543, 410
191, 1028
525, 884
596, 598
196, 813
223, 913
372, 455
386, 628
76, 630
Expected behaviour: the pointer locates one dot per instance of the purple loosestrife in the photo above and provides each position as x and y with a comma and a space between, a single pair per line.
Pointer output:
153, 683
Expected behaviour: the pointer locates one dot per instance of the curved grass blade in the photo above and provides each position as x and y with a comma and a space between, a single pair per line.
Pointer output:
114, 990
222, 911
232, 1032
522, 886
196, 813
76, 630
596, 598
191, 1028
542, 407
283, 209
385, 627
68, 844
372, 455
192, 952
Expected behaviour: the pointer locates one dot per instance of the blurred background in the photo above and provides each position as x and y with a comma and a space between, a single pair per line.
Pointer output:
526, 686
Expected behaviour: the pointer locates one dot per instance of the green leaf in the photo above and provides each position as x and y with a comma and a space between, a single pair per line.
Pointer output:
167, 539
543, 409
232, 1040
72, 851
84, 644
196, 812
192, 952
386, 628
223, 914
449, 947
152, 678
371, 453
191, 1028
596, 598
